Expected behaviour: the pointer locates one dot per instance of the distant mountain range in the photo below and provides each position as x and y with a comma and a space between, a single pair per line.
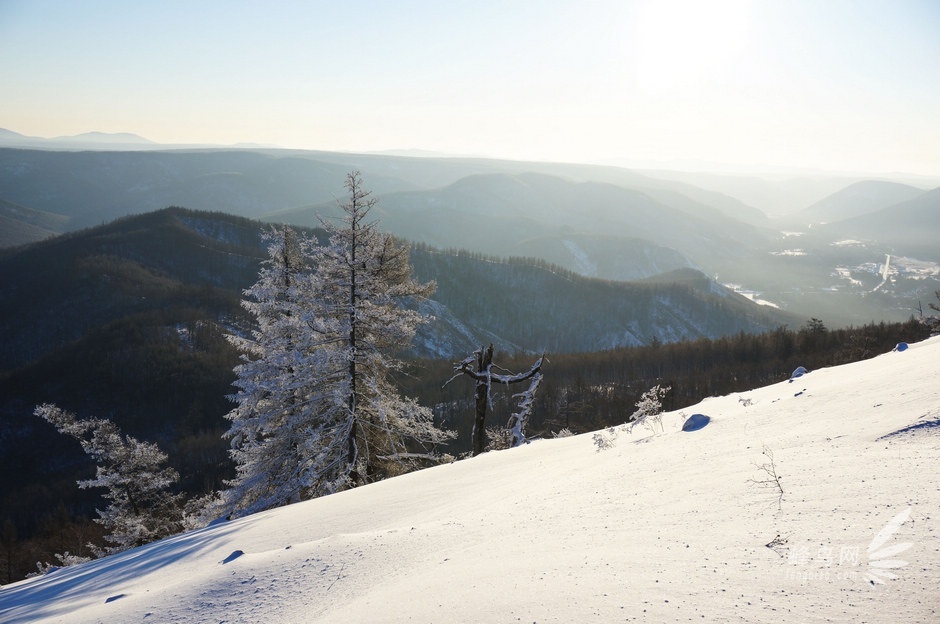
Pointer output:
785, 195
859, 199
87, 140
508, 206
597, 229
911, 226
596, 221
103, 141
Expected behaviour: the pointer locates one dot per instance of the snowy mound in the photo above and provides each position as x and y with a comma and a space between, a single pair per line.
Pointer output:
695, 422
659, 527
799, 372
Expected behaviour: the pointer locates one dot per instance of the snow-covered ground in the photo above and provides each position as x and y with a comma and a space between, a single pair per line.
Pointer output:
893, 270
753, 295
669, 526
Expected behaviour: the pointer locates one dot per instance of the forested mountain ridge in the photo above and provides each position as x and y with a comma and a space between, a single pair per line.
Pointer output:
546, 309
503, 214
91, 188
499, 208
56, 291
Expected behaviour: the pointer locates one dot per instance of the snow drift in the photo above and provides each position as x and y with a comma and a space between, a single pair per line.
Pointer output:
660, 527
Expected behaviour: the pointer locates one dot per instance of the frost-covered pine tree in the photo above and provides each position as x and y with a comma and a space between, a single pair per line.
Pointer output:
140, 507
317, 411
268, 434
363, 280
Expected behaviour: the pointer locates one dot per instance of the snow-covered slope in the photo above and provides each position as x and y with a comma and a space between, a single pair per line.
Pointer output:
662, 527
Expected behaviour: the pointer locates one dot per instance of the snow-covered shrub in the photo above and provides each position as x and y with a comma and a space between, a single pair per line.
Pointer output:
932, 323
605, 439
649, 408
65, 560
769, 477
563, 433
498, 438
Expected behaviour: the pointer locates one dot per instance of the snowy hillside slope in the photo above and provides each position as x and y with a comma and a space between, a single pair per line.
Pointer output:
662, 527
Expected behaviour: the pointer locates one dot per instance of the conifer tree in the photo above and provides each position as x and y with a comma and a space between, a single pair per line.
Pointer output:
268, 434
140, 507
317, 408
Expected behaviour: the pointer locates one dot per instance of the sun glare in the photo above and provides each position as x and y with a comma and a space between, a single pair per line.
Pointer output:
685, 42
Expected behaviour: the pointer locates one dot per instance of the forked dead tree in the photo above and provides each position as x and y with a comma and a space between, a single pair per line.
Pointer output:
479, 367
519, 418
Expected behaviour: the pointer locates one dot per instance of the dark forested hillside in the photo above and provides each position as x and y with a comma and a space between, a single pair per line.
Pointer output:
126, 322
543, 308
55, 292
588, 391
20, 225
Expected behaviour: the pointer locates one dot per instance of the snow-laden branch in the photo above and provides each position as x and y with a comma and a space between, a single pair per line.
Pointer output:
431, 457
479, 367
519, 418
466, 368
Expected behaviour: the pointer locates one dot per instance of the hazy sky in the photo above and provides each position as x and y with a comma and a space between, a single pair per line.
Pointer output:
831, 84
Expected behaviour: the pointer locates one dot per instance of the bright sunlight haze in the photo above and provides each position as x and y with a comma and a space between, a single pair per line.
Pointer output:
839, 86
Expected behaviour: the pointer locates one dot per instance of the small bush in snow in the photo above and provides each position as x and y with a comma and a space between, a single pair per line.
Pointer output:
649, 409
498, 438
778, 545
605, 439
564, 433
65, 560
770, 478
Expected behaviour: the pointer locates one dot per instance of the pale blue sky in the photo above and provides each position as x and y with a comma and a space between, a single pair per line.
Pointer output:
830, 84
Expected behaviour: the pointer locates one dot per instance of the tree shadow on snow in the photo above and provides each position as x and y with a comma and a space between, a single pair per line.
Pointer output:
59, 591
928, 423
